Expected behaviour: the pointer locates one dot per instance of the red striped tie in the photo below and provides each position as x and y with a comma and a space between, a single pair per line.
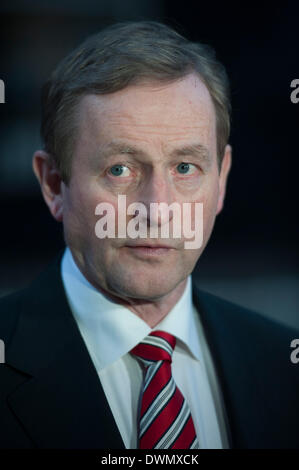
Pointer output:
165, 417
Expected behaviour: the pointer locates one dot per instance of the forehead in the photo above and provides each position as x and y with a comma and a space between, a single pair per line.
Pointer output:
177, 111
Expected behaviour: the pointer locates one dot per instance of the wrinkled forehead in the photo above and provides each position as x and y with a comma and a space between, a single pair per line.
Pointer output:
181, 110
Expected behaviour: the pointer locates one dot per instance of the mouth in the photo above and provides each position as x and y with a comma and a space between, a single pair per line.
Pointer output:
146, 250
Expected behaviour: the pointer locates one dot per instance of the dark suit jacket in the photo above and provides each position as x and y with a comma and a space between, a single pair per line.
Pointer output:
51, 396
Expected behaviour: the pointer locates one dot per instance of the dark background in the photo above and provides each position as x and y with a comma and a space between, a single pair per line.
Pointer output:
252, 256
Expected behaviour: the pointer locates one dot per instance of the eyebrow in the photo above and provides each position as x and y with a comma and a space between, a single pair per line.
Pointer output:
198, 150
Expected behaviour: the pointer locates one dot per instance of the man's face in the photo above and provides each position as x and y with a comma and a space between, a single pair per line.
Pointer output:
130, 143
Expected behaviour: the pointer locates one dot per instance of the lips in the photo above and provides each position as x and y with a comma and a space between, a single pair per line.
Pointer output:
146, 251
148, 245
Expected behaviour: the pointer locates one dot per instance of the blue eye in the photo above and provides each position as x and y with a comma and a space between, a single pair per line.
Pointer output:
117, 170
184, 167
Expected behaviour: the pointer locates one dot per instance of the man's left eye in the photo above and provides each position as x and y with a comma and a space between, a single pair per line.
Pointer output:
184, 168
119, 170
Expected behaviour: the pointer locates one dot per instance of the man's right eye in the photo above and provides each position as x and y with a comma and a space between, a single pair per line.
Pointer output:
119, 170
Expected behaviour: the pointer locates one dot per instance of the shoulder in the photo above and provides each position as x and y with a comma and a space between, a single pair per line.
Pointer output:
245, 340
11, 305
233, 321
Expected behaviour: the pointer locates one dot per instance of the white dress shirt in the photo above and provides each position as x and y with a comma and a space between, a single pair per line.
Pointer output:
110, 331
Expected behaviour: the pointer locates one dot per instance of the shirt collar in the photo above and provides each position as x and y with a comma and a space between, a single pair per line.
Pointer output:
111, 330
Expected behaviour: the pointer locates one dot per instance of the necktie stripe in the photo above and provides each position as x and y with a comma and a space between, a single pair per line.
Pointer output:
171, 340
183, 439
158, 383
157, 406
155, 353
165, 417
160, 425
162, 431
146, 362
174, 429
194, 444
158, 343
151, 373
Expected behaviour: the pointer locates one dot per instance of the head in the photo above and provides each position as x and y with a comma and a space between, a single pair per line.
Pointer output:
136, 110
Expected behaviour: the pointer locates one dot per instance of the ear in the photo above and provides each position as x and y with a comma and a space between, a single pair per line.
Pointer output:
50, 182
225, 167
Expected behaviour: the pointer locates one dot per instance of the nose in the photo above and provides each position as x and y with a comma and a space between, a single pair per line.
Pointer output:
156, 195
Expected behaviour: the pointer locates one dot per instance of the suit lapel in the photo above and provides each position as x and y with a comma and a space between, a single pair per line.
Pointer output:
246, 395
61, 403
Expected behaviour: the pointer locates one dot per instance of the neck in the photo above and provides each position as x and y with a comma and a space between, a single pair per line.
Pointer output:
152, 312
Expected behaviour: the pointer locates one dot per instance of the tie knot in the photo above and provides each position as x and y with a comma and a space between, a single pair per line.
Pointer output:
157, 346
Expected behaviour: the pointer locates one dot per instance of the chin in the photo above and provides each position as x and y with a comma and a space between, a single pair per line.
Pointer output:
147, 287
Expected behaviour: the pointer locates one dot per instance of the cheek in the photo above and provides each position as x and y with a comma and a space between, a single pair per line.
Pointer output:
209, 213
79, 210
209, 202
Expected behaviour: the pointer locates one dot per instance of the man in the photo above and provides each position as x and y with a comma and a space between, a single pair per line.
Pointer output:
138, 111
